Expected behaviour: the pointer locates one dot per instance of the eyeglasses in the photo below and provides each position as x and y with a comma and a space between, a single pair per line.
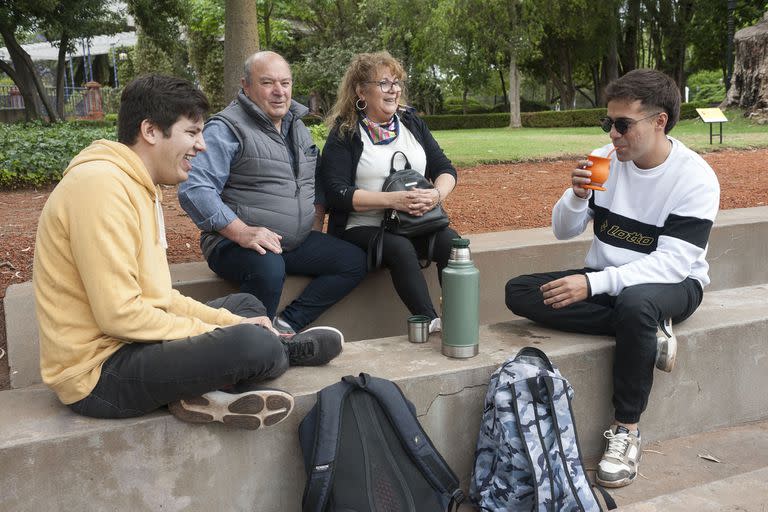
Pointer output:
388, 85
622, 124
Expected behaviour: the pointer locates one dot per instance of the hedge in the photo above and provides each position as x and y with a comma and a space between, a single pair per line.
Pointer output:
458, 121
545, 119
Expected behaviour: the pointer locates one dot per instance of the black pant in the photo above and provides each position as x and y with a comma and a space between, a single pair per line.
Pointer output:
632, 317
401, 256
141, 377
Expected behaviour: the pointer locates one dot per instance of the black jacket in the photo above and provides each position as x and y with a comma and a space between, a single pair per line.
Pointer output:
338, 166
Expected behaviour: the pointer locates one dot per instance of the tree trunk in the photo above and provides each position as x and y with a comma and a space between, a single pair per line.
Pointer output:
27, 89
749, 84
266, 19
61, 66
503, 86
22, 75
241, 39
631, 27
610, 71
514, 91
564, 82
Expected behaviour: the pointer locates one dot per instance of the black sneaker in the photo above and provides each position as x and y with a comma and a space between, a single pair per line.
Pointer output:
313, 347
250, 410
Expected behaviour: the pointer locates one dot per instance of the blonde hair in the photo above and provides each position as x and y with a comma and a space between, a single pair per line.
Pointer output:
361, 69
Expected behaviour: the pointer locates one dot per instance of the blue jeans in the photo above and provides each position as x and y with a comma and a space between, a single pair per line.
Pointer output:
336, 266
142, 377
633, 317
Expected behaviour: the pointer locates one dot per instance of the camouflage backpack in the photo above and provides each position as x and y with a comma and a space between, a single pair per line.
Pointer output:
527, 455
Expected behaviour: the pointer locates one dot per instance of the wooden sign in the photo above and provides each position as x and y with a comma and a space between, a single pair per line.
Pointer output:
712, 115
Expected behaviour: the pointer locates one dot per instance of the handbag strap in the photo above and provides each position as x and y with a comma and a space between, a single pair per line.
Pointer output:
392, 162
376, 250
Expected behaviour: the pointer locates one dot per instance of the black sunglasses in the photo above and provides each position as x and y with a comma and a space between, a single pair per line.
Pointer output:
622, 124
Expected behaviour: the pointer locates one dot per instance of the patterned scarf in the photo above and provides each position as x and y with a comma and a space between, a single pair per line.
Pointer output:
381, 133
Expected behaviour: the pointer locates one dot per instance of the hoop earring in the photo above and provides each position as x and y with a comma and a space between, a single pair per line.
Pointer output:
357, 104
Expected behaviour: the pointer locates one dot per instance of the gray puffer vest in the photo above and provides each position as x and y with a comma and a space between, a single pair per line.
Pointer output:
263, 188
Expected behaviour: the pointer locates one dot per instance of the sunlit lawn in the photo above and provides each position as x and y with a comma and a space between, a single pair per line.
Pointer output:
470, 147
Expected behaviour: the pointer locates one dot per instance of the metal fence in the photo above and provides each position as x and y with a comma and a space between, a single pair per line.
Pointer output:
76, 100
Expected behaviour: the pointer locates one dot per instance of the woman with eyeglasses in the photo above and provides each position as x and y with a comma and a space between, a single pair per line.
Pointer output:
369, 124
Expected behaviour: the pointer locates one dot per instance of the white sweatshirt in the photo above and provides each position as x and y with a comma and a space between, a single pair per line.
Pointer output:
650, 225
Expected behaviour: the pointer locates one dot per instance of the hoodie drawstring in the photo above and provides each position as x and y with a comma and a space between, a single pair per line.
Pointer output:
160, 223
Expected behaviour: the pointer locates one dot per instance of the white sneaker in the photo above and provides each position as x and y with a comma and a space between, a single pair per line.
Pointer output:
666, 347
251, 410
436, 325
618, 467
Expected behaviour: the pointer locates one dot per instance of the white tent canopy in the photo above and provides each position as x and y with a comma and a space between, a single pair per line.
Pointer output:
99, 45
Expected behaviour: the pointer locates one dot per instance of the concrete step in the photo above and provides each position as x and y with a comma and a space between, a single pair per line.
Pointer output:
737, 254
51, 459
675, 476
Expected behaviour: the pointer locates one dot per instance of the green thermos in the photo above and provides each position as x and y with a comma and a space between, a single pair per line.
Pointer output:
461, 302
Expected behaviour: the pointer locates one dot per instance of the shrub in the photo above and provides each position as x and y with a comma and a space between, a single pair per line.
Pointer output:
546, 119
562, 118
706, 87
456, 106
525, 106
456, 122
33, 154
319, 132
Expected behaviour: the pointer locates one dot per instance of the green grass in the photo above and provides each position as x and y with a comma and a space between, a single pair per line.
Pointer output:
471, 147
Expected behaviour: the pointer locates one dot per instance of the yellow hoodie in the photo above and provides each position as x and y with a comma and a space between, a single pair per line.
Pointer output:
100, 272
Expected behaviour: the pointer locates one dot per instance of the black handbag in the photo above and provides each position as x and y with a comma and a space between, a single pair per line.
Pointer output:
403, 223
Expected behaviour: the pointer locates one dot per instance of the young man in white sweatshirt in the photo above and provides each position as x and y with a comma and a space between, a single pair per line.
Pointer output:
646, 267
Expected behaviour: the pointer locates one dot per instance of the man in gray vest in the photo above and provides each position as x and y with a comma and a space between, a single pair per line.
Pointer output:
253, 196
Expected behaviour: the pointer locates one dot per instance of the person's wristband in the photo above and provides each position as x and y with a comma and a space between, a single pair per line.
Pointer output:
589, 286
439, 197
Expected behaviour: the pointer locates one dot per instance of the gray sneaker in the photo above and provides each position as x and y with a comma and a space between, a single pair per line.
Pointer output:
250, 410
313, 347
666, 347
618, 467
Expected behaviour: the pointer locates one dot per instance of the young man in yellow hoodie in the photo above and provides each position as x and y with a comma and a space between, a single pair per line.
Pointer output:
116, 340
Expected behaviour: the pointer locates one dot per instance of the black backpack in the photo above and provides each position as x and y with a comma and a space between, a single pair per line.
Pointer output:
401, 223
364, 450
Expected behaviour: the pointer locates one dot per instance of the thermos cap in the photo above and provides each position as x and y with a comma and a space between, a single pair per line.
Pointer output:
460, 242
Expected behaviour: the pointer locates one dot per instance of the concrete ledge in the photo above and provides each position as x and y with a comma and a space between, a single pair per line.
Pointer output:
737, 255
56, 460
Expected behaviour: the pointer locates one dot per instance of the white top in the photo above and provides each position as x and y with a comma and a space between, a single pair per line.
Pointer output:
650, 225
373, 169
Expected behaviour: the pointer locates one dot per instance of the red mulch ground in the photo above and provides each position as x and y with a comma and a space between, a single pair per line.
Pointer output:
488, 198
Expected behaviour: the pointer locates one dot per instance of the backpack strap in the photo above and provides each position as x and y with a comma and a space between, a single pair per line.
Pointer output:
567, 440
413, 437
528, 422
330, 402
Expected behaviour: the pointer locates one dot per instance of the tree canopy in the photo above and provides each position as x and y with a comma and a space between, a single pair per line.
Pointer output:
567, 49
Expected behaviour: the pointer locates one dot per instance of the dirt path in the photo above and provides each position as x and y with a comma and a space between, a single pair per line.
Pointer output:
488, 198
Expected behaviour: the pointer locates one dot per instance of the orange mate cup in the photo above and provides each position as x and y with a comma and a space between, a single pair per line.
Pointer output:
600, 168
